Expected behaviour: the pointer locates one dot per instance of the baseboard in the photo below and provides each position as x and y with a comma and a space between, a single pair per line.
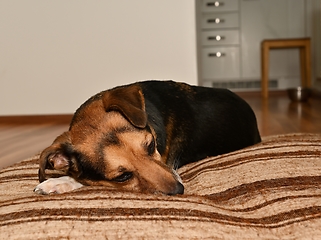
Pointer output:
315, 93
37, 119
259, 93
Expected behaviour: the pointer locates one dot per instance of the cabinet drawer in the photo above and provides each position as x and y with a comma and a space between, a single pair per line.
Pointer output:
220, 37
220, 6
221, 62
220, 20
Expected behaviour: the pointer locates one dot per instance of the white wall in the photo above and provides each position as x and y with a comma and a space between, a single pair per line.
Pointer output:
56, 54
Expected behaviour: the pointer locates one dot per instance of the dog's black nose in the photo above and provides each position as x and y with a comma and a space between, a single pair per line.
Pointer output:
179, 189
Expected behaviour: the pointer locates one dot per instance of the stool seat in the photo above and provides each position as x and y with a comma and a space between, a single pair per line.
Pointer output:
304, 45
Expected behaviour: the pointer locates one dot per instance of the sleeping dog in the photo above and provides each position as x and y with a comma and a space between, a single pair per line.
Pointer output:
134, 137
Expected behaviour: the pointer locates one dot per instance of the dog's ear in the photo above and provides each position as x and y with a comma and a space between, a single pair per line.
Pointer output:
54, 157
129, 101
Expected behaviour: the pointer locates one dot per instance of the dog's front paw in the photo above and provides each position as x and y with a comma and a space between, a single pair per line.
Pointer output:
57, 185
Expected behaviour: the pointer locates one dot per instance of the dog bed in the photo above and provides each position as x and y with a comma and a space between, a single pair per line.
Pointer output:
268, 191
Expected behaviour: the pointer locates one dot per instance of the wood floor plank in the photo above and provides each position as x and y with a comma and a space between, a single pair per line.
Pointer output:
278, 115
19, 132
27, 141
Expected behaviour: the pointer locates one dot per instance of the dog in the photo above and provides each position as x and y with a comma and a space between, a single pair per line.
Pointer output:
134, 137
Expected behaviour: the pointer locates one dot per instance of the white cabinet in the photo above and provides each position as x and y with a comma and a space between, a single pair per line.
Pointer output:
229, 41
219, 37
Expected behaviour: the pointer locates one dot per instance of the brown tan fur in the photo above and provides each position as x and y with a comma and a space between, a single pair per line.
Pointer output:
150, 173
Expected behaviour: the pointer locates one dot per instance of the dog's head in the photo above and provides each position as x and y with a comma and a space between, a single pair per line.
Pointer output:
110, 143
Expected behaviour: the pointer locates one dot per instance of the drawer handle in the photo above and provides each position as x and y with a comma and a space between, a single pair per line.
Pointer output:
215, 20
217, 54
217, 38
215, 4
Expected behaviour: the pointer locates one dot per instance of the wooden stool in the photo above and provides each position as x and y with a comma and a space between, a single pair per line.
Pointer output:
305, 60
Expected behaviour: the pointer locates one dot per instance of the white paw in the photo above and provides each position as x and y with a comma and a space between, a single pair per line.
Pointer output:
57, 185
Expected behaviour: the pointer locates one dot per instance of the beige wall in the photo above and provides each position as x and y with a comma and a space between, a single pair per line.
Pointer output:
56, 54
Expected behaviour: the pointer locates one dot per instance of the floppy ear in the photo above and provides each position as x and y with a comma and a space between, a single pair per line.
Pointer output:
129, 101
53, 157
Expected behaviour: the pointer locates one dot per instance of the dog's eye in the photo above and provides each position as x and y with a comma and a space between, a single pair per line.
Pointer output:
151, 147
123, 177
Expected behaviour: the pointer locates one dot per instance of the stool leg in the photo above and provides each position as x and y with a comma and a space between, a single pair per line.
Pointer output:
305, 62
307, 55
303, 67
264, 70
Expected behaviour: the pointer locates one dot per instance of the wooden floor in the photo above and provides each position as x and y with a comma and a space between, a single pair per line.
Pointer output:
278, 115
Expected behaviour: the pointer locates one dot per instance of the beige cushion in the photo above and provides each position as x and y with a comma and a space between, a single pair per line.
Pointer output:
268, 191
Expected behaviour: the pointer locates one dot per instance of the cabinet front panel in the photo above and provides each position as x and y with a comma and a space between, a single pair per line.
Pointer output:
272, 19
221, 63
220, 37
220, 20
220, 6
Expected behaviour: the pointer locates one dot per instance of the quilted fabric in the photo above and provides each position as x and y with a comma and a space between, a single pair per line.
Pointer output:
268, 191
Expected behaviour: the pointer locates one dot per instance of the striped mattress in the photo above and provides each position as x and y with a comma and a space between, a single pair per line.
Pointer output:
268, 191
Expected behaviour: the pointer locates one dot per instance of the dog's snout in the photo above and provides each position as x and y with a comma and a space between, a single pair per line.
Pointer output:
179, 189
